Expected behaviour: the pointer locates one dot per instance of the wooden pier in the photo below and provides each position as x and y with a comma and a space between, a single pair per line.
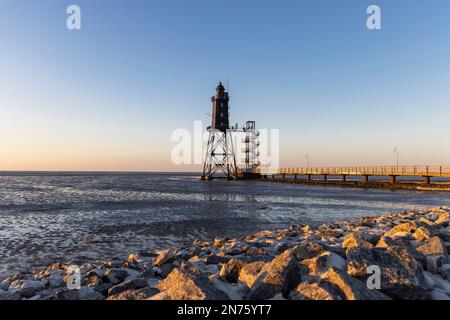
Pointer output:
365, 173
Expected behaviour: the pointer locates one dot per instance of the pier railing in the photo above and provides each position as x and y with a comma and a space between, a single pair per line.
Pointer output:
420, 171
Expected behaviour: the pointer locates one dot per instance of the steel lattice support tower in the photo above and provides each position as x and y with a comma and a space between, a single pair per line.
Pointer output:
220, 160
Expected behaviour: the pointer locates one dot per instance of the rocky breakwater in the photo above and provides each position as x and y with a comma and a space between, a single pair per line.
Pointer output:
339, 261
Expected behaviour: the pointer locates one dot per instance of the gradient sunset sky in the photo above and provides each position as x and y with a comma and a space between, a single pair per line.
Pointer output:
109, 96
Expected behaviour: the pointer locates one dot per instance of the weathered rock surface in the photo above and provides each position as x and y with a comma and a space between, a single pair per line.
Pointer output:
134, 294
249, 272
321, 290
280, 276
352, 289
231, 270
433, 247
190, 284
401, 275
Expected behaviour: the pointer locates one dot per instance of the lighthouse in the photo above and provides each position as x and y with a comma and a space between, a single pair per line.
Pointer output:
220, 160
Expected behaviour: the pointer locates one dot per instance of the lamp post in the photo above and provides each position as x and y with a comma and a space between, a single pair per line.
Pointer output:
396, 153
308, 157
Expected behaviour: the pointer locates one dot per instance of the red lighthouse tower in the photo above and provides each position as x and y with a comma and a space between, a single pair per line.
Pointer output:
220, 160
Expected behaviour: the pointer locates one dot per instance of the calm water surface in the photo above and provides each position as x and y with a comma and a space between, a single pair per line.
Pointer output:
47, 217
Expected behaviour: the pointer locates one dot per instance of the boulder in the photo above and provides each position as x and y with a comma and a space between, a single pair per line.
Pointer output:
433, 247
115, 275
160, 296
190, 284
444, 219
404, 227
355, 240
165, 257
438, 295
421, 234
434, 263
444, 270
280, 276
26, 288
401, 275
249, 272
86, 293
127, 285
230, 271
134, 294
66, 294
321, 290
351, 288
323, 262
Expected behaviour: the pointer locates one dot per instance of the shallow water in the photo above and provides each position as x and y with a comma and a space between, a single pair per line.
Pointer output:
49, 217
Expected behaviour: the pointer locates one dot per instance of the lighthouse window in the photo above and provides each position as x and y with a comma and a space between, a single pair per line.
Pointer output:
221, 114
221, 104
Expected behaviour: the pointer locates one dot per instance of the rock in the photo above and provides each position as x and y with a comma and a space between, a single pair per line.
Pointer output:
218, 243
250, 272
11, 296
4, 285
232, 291
164, 270
66, 294
127, 285
401, 275
230, 271
160, 296
3, 294
96, 272
280, 276
321, 290
352, 289
153, 283
134, 294
86, 293
165, 257
190, 284
103, 288
438, 295
421, 234
214, 259
444, 270
404, 227
323, 262
434, 263
442, 284
26, 288
55, 281
433, 246
355, 240
386, 242
429, 280
301, 252
443, 220
116, 275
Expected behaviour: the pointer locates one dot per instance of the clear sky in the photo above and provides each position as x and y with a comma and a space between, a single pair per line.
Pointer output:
108, 97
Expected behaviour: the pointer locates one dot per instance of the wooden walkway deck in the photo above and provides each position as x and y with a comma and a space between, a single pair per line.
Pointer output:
426, 172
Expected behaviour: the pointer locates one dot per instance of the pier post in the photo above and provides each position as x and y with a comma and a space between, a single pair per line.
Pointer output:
325, 177
284, 176
426, 180
308, 177
295, 177
343, 178
393, 179
365, 178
